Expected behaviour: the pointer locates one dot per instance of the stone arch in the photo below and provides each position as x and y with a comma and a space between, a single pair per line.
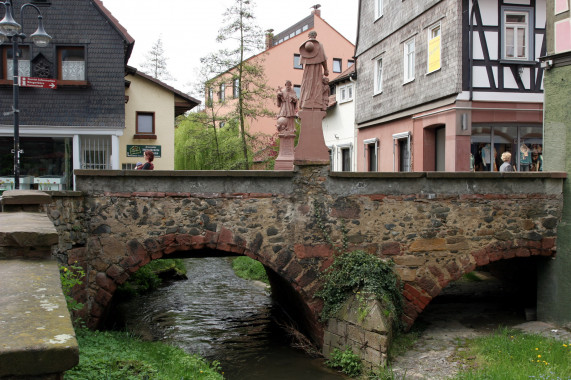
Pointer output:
434, 276
290, 280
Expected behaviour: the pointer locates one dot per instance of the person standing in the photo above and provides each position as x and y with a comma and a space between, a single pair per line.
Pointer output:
148, 165
506, 166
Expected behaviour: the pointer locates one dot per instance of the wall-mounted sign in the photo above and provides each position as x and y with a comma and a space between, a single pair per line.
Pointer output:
138, 150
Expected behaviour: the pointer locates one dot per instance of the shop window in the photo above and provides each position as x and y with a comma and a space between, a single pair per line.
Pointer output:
145, 128
71, 63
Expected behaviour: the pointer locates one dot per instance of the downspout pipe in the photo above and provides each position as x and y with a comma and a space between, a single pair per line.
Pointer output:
471, 48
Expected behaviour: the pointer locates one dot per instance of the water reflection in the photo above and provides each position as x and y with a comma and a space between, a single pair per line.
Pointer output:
225, 318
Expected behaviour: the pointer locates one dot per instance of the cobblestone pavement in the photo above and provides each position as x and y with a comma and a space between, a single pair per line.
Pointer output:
463, 311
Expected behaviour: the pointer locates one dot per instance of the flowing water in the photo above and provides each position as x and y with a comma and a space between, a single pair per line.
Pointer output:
225, 318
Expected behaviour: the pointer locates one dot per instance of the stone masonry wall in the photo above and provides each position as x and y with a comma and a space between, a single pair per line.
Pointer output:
435, 227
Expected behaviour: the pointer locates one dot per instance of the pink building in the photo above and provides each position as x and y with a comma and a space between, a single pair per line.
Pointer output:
281, 63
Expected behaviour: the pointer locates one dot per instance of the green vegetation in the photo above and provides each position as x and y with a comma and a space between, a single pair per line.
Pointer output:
118, 355
473, 277
249, 269
148, 278
346, 361
512, 354
359, 273
71, 276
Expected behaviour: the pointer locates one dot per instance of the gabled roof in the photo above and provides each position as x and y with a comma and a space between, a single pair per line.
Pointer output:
184, 102
346, 75
129, 41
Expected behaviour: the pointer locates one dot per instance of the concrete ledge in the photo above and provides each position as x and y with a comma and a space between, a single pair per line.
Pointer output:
27, 230
36, 334
25, 197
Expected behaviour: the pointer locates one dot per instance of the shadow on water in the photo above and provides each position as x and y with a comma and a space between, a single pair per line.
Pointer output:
225, 318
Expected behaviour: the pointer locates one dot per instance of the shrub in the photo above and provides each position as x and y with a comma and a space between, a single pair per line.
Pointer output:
346, 361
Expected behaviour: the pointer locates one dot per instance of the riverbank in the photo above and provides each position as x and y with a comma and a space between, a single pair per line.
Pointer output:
120, 355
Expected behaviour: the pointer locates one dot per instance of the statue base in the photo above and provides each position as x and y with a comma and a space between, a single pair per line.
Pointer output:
285, 156
311, 147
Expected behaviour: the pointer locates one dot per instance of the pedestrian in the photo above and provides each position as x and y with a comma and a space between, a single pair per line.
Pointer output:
506, 166
148, 165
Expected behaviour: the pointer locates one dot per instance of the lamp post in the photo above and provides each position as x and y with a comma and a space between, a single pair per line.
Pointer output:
12, 31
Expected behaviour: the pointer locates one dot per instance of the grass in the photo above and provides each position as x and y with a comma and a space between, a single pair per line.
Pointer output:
148, 278
512, 354
118, 355
249, 269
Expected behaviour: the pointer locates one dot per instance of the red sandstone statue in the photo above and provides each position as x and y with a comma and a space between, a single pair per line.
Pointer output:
314, 64
287, 101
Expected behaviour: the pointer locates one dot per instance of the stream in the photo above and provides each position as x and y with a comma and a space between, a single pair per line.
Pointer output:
222, 317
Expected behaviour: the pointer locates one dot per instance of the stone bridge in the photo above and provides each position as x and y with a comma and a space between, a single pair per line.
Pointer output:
434, 226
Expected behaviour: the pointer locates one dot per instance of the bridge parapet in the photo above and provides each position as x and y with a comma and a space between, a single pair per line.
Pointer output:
434, 226
38, 340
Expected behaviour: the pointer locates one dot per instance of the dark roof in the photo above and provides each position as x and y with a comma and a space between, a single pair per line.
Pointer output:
130, 41
345, 75
294, 30
188, 102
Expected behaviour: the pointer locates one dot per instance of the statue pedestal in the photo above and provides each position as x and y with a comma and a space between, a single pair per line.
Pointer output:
311, 148
285, 156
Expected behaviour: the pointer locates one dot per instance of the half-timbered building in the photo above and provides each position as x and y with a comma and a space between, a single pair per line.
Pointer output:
448, 85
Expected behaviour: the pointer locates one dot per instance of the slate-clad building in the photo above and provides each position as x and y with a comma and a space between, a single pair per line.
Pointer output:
449, 85
77, 125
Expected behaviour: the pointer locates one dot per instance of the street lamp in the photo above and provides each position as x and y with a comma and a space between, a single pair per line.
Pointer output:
12, 31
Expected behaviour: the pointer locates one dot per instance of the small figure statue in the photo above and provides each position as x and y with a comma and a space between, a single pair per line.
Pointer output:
326, 91
314, 64
287, 101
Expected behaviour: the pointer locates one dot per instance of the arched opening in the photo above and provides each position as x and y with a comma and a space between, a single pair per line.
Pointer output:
220, 316
500, 294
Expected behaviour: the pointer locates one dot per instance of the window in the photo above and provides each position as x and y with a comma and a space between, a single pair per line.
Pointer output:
434, 48
516, 32
23, 62
378, 76
345, 93
235, 88
222, 92
297, 62
336, 65
71, 63
409, 61
95, 152
210, 95
297, 89
346, 159
371, 159
350, 63
378, 8
145, 128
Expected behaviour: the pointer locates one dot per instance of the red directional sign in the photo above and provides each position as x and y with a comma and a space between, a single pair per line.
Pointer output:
37, 82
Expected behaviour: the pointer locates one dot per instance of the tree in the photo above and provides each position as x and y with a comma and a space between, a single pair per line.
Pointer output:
156, 62
236, 67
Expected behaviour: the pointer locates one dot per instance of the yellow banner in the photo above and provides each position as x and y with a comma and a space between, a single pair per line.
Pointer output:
434, 54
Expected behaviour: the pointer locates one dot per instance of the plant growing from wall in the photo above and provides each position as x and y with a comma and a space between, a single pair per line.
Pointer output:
364, 274
71, 276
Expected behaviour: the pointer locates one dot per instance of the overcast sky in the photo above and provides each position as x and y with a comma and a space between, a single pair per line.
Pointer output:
189, 27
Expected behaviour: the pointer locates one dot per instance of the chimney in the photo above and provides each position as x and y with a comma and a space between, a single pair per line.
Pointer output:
316, 11
269, 38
